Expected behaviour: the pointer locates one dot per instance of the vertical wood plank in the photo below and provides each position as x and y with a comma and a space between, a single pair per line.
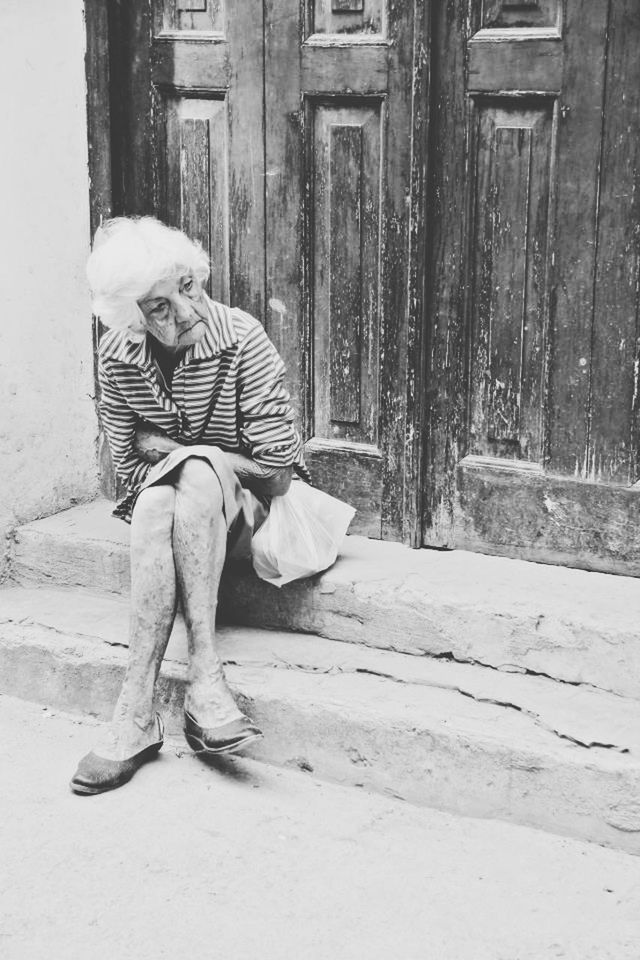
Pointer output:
613, 454
135, 153
286, 186
195, 187
419, 227
396, 309
345, 273
195, 191
99, 131
577, 176
445, 377
246, 158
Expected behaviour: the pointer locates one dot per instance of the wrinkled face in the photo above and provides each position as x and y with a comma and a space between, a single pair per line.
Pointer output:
175, 312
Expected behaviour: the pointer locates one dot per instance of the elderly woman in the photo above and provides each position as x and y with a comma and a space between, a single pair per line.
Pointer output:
201, 433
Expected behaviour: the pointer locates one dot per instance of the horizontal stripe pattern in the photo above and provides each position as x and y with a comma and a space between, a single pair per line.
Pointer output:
236, 359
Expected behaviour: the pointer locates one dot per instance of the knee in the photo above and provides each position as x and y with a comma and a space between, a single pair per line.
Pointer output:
198, 480
155, 508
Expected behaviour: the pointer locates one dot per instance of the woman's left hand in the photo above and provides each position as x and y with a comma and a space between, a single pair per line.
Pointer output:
152, 444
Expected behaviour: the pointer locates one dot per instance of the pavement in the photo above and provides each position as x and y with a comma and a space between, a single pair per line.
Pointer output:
244, 860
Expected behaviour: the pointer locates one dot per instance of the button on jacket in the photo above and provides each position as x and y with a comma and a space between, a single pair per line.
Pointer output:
235, 360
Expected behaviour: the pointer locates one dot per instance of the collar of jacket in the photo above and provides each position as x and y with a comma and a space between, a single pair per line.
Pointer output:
219, 336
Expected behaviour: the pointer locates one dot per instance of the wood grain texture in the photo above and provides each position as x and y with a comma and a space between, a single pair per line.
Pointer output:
519, 14
184, 16
445, 383
398, 312
199, 65
344, 6
345, 272
197, 190
323, 267
351, 472
508, 316
246, 157
350, 17
615, 355
419, 228
577, 177
538, 279
348, 70
549, 519
287, 290
134, 145
346, 237
526, 65
99, 131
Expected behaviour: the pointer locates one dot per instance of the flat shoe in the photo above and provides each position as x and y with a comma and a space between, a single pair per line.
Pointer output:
216, 740
97, 774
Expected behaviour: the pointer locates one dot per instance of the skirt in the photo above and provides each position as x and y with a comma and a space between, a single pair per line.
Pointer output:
244, 513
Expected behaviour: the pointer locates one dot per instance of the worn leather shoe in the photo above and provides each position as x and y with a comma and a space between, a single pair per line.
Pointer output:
228, 738
97, 774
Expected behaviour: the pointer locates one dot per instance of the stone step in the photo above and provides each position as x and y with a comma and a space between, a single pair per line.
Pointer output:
573, 625
458, 737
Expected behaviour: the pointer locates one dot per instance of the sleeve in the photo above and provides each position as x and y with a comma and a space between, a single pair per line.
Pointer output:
266, 417
119, 422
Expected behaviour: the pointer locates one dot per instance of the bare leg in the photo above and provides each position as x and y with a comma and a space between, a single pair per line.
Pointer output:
153, 608
199, 545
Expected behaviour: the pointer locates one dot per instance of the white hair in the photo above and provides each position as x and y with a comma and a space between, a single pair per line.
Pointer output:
130, 255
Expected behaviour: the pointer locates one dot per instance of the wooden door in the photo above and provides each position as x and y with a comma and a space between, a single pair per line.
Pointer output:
533, 354
289, 138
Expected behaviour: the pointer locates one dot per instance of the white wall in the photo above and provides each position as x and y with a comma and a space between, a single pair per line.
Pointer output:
48, 426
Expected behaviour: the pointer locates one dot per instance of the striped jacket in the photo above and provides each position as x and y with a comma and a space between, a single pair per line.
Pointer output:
235, 359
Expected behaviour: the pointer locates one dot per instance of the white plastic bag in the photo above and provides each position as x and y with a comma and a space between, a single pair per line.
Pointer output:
301, 536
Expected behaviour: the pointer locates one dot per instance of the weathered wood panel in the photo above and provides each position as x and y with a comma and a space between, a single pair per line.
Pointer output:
99, 132
615, 356
508, 316
199, 64
578, 169
536, 516
345, 272
350, 17
183, 16
448, 218
346, 309
356, 69
197, 190
534, 66
530, 14
286, 287
400, 313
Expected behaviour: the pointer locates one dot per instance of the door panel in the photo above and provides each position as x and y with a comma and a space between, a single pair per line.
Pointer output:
341, 198
533, 301
192, 146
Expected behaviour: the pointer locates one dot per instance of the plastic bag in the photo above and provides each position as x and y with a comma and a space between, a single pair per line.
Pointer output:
301, 536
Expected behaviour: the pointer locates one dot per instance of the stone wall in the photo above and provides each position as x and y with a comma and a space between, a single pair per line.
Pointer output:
48, 426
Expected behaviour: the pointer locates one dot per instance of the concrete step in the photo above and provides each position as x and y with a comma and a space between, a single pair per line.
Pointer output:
573, 625
458, 737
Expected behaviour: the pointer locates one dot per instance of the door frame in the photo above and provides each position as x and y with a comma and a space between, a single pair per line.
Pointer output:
402, 507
